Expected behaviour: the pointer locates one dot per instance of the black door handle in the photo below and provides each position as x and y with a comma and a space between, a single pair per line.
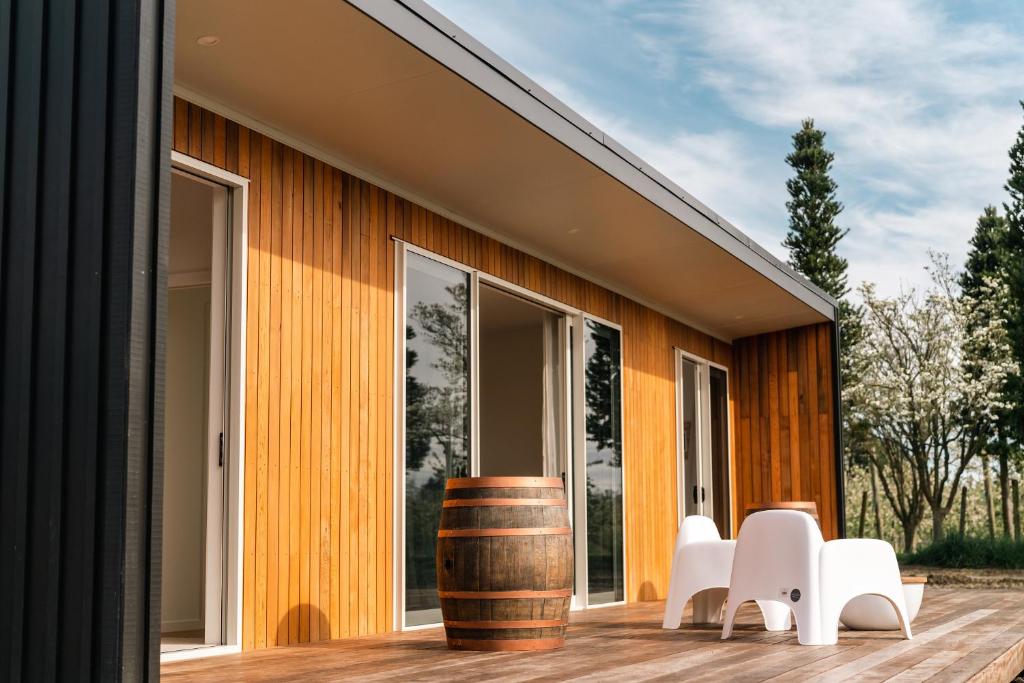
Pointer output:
702, 498
695, 495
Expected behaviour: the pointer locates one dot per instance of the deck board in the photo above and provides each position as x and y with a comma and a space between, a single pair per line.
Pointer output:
960, 635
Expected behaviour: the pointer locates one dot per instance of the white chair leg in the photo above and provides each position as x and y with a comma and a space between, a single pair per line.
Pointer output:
730, 616
674, 606
808, 624
707, 605
777, 615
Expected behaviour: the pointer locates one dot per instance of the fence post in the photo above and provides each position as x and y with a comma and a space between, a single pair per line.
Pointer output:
1016, 509
963, 509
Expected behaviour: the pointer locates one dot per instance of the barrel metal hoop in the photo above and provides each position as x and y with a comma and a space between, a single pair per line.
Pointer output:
504, 483
505, 595
535, 623
512, 502
524, 531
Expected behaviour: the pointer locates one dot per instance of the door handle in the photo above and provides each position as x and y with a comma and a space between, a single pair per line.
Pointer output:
702, 494
694, 495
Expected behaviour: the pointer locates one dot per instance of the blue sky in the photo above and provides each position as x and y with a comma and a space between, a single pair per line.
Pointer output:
919, 100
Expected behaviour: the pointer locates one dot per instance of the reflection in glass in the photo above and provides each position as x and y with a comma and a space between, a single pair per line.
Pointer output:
603, 413
720, 451
691, 451
436, 417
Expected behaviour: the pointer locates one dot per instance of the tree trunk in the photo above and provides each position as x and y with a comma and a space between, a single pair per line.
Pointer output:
1016, 508
863, 512
909, 531
1004, 491
988, 496
874, 500
963, 510
938, 523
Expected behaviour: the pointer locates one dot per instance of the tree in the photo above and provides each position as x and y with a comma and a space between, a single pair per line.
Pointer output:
985, 274
926, 393
1014, 210
813, 208
812, 240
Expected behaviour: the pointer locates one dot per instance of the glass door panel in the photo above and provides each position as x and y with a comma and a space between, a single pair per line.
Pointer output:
603, 427
719, 432
437, 416
704, 441
690, 406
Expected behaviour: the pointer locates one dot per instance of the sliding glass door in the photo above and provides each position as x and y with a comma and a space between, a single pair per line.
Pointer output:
602, 419
437, 416
497, 381
703, 441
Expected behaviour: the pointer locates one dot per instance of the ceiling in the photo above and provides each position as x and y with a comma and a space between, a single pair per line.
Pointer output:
352, 91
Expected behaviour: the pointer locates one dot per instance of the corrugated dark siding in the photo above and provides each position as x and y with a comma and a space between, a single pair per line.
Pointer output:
85, 122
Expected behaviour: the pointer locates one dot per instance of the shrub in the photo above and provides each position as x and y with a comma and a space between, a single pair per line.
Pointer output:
969, 552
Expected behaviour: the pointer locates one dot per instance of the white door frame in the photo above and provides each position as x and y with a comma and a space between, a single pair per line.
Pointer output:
575, 432
225, 501
703, 426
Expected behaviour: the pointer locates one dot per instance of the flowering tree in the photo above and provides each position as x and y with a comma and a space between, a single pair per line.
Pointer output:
929, 398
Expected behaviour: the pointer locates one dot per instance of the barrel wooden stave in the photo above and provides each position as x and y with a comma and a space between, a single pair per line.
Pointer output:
539, 563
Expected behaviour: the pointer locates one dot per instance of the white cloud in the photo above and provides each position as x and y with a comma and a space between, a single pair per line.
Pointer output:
920, 108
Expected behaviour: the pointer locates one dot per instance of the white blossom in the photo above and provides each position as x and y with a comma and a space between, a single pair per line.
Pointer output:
931, 367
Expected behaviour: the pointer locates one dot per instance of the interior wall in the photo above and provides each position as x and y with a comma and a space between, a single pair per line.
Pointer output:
511, 400
186, 404
185, 401
319, 455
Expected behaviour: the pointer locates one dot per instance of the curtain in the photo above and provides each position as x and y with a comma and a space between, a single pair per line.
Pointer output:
553, 413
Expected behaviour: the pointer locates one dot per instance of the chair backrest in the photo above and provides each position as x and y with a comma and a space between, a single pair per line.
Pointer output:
776, 550
698, 528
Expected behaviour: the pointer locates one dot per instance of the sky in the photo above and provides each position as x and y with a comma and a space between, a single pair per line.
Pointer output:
920, 102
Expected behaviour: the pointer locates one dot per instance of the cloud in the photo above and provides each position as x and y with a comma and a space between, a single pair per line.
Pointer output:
919, 100
919, 109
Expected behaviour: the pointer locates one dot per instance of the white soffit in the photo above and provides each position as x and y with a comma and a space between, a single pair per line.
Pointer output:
350, 90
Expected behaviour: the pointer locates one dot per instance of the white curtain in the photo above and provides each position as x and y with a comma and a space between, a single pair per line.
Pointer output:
553, 413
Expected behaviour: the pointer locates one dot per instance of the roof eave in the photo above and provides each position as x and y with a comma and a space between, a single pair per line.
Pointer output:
431, 32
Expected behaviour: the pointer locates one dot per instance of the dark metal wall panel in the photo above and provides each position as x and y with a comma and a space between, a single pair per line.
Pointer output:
85, 107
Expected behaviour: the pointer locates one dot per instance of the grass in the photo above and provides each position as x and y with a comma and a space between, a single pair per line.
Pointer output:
969, 552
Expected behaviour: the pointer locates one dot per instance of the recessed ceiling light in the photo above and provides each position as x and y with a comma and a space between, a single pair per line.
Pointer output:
208, 41
573, 231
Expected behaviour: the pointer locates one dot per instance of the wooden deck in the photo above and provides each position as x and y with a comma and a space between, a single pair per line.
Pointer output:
959, 635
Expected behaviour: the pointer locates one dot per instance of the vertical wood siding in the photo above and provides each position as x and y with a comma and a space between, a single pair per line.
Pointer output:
783, 420
319, 458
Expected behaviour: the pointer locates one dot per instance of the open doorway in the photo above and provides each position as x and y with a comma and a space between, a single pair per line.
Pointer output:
522, 387
195, 410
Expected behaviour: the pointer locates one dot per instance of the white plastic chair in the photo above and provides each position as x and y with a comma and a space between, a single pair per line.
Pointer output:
859, 566
781, 557
701, 568
702, 562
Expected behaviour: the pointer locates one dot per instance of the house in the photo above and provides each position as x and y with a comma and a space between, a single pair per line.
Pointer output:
346, 253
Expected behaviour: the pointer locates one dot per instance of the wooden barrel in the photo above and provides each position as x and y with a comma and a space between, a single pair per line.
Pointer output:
808, 506
505, 563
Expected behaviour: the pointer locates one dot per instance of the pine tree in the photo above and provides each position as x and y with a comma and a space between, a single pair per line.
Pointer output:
1014, 210
985, 273
813, 208
812, 240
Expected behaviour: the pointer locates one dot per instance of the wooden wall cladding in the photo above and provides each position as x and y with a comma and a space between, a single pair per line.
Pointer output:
319, 386
783, 420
